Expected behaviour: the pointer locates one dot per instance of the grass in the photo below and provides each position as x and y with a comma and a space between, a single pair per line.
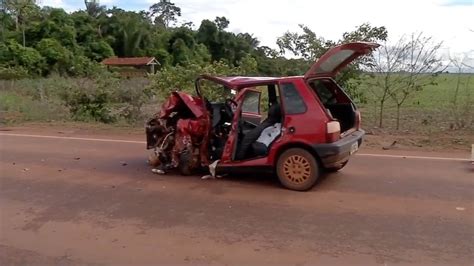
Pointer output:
430, 110
20, 108
50, 99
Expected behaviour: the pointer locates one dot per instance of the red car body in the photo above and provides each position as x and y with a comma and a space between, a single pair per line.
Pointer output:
320, 125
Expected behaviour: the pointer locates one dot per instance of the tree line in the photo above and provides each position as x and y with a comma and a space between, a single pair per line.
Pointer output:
41, 41
38, 41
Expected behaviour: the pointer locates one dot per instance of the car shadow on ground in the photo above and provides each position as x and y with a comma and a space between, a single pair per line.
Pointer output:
137, 168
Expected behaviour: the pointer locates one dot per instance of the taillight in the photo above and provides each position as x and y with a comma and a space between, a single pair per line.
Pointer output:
333, 131
358, 120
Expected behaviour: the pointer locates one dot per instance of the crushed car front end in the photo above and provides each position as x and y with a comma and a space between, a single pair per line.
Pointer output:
179, 134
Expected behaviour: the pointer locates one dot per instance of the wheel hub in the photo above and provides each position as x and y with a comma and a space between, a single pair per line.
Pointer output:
297, 168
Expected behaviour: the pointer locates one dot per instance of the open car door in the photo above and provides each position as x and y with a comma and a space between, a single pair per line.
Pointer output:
338, 57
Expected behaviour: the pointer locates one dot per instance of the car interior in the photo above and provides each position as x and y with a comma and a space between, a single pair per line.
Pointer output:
336, 102
260, 109
265, 100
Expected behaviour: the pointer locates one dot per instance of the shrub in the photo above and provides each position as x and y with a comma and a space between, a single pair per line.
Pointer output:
86, 106
12, 73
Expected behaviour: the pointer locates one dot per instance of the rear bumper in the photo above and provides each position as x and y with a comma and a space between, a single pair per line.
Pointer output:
332, 154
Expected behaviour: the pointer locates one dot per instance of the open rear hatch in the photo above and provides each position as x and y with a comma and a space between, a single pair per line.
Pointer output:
338, 57
320, 77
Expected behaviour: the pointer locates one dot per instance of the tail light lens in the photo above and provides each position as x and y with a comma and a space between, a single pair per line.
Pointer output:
333, 131
358, 120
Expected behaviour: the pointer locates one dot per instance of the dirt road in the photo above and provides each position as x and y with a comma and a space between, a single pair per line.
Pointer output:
84, 201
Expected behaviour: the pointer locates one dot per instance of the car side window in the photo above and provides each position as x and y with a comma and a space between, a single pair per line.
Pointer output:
326, 96
292, 100
251, 102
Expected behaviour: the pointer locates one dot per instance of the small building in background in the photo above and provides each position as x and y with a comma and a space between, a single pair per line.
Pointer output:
131, 66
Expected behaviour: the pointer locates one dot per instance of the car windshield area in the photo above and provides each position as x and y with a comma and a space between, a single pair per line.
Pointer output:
212, 91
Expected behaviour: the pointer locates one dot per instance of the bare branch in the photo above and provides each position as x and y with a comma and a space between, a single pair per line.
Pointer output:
407, 66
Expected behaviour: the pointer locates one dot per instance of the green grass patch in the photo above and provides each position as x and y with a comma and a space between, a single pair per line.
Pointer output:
432, 109
15, 107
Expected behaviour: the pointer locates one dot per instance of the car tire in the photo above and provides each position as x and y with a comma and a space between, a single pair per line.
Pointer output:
297, 169
184, 165
336, 168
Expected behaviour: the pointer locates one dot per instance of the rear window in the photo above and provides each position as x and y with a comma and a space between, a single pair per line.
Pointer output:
324, 93
334, 61
293, 102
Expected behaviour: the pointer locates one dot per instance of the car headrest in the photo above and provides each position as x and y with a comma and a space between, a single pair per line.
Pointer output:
274, 112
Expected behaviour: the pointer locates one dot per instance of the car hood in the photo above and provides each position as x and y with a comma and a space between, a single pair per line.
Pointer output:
195, 104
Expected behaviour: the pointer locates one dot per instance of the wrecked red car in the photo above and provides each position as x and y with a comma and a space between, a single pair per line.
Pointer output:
295, 127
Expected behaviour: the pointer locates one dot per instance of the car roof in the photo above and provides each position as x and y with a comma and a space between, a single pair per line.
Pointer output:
240, 82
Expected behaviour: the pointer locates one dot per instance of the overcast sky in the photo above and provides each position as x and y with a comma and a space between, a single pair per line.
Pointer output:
451, 21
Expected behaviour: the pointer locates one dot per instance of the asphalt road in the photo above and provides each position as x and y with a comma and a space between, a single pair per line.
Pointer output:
91, 202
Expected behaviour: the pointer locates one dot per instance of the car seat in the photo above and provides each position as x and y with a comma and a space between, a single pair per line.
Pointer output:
274, 116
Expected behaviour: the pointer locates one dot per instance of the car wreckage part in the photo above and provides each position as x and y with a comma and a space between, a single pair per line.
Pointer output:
179, 134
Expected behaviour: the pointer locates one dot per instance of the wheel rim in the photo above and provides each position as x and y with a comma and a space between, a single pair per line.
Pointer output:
297, 169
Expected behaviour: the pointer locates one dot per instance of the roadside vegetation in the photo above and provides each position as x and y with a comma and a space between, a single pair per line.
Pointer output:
50, 67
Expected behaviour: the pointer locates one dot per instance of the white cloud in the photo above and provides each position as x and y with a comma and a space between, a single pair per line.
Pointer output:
54, 3
269, 19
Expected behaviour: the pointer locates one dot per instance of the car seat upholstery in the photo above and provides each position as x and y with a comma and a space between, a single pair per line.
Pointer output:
274, 116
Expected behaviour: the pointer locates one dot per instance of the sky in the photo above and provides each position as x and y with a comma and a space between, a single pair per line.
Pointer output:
450, 21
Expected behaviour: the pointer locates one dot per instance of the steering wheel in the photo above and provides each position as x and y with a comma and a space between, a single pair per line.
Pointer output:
229, 103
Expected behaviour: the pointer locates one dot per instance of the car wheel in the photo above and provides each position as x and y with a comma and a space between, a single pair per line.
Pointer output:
184, 165
297, 169
336, 168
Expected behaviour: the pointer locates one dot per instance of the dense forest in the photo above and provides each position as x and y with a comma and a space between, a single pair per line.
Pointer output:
39, 41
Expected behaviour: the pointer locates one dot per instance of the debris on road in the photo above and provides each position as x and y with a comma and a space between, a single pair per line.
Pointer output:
123, 163
158, 171
77, 158
390, 146
26, 169
460, 208
212, 171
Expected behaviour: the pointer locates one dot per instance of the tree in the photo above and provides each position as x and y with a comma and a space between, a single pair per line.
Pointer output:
461, 106
13, 54
55, 54
127, 32
224, 45
166, 12
93, 8
57, 24
405, 68
308, 46
20, 10
222, 23
365, 33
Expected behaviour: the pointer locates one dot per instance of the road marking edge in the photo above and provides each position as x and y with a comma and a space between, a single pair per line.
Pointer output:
143, 142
